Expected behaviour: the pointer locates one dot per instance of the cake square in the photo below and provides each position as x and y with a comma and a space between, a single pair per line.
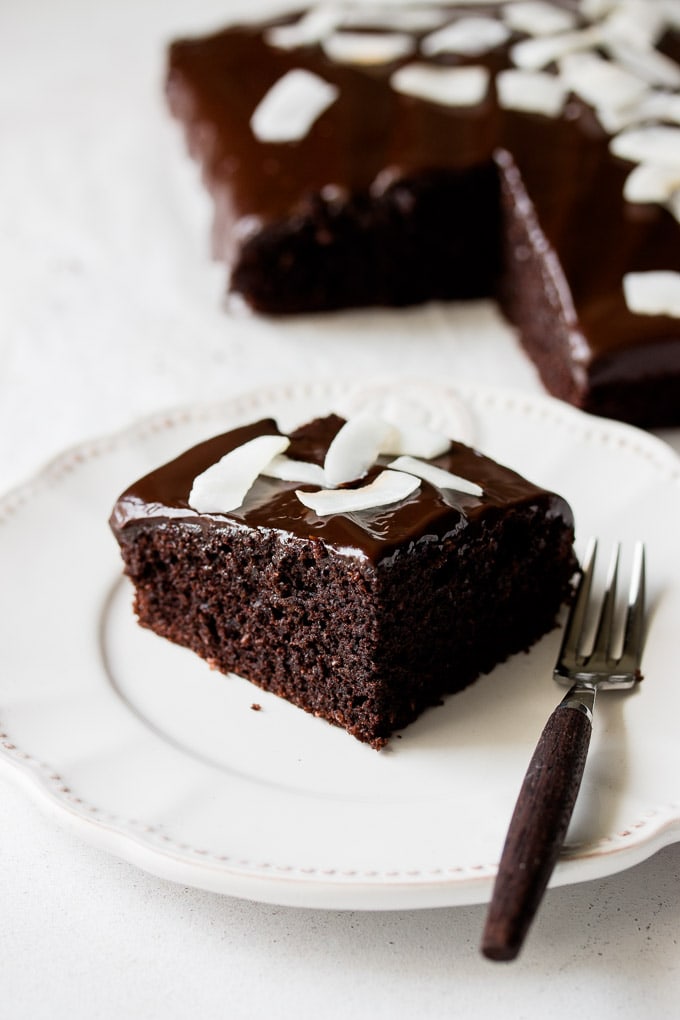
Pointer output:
360, 155
362, 617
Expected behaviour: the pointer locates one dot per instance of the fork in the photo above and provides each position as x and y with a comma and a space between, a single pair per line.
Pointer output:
546, 800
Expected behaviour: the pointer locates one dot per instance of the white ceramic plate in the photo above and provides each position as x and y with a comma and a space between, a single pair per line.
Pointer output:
154, 757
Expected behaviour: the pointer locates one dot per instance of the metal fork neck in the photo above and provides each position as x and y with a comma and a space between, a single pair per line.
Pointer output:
581, 698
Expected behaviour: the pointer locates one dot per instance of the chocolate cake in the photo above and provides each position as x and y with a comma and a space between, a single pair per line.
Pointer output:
527, 150
361, 616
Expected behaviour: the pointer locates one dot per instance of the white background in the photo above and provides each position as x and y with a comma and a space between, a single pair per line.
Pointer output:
110, 310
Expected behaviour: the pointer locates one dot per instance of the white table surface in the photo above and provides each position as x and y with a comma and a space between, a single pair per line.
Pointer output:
110, 310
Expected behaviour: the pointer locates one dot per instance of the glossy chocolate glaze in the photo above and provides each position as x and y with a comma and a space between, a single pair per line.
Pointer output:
372, 136
272, 505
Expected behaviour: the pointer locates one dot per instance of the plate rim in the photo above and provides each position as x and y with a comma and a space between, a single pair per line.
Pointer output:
287, 885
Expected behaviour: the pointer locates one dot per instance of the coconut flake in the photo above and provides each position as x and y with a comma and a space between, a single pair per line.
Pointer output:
671, 12
290, 108
367, 47
531, 92
355, 448
599, 82
223, 486
447, 86
307, 30
436, 476
654, 106
288, 470
537, 17
654, 144
414, 440
535, 54
594, 9
663, 106
389, 487
467, 36
651, 183
637, 22
404, 19
653, 293
648, 64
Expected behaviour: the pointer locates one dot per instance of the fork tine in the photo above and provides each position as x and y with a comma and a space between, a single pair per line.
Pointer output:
634, 628
602, 645
577, 616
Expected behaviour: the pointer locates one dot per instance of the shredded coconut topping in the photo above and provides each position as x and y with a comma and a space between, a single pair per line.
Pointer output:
448, 86
468, 36
224, 486
537, 17
436, 476
389, 487
368, 47
531, 91
653, 293
355, 449
286, 113
603, 51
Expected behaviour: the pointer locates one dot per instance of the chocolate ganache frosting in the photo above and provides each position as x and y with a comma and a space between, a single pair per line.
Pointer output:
430, 513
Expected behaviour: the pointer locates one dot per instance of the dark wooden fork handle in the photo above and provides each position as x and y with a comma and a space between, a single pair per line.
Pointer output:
538, 828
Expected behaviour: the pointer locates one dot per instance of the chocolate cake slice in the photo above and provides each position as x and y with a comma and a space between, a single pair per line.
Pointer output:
360, 155
364, 617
